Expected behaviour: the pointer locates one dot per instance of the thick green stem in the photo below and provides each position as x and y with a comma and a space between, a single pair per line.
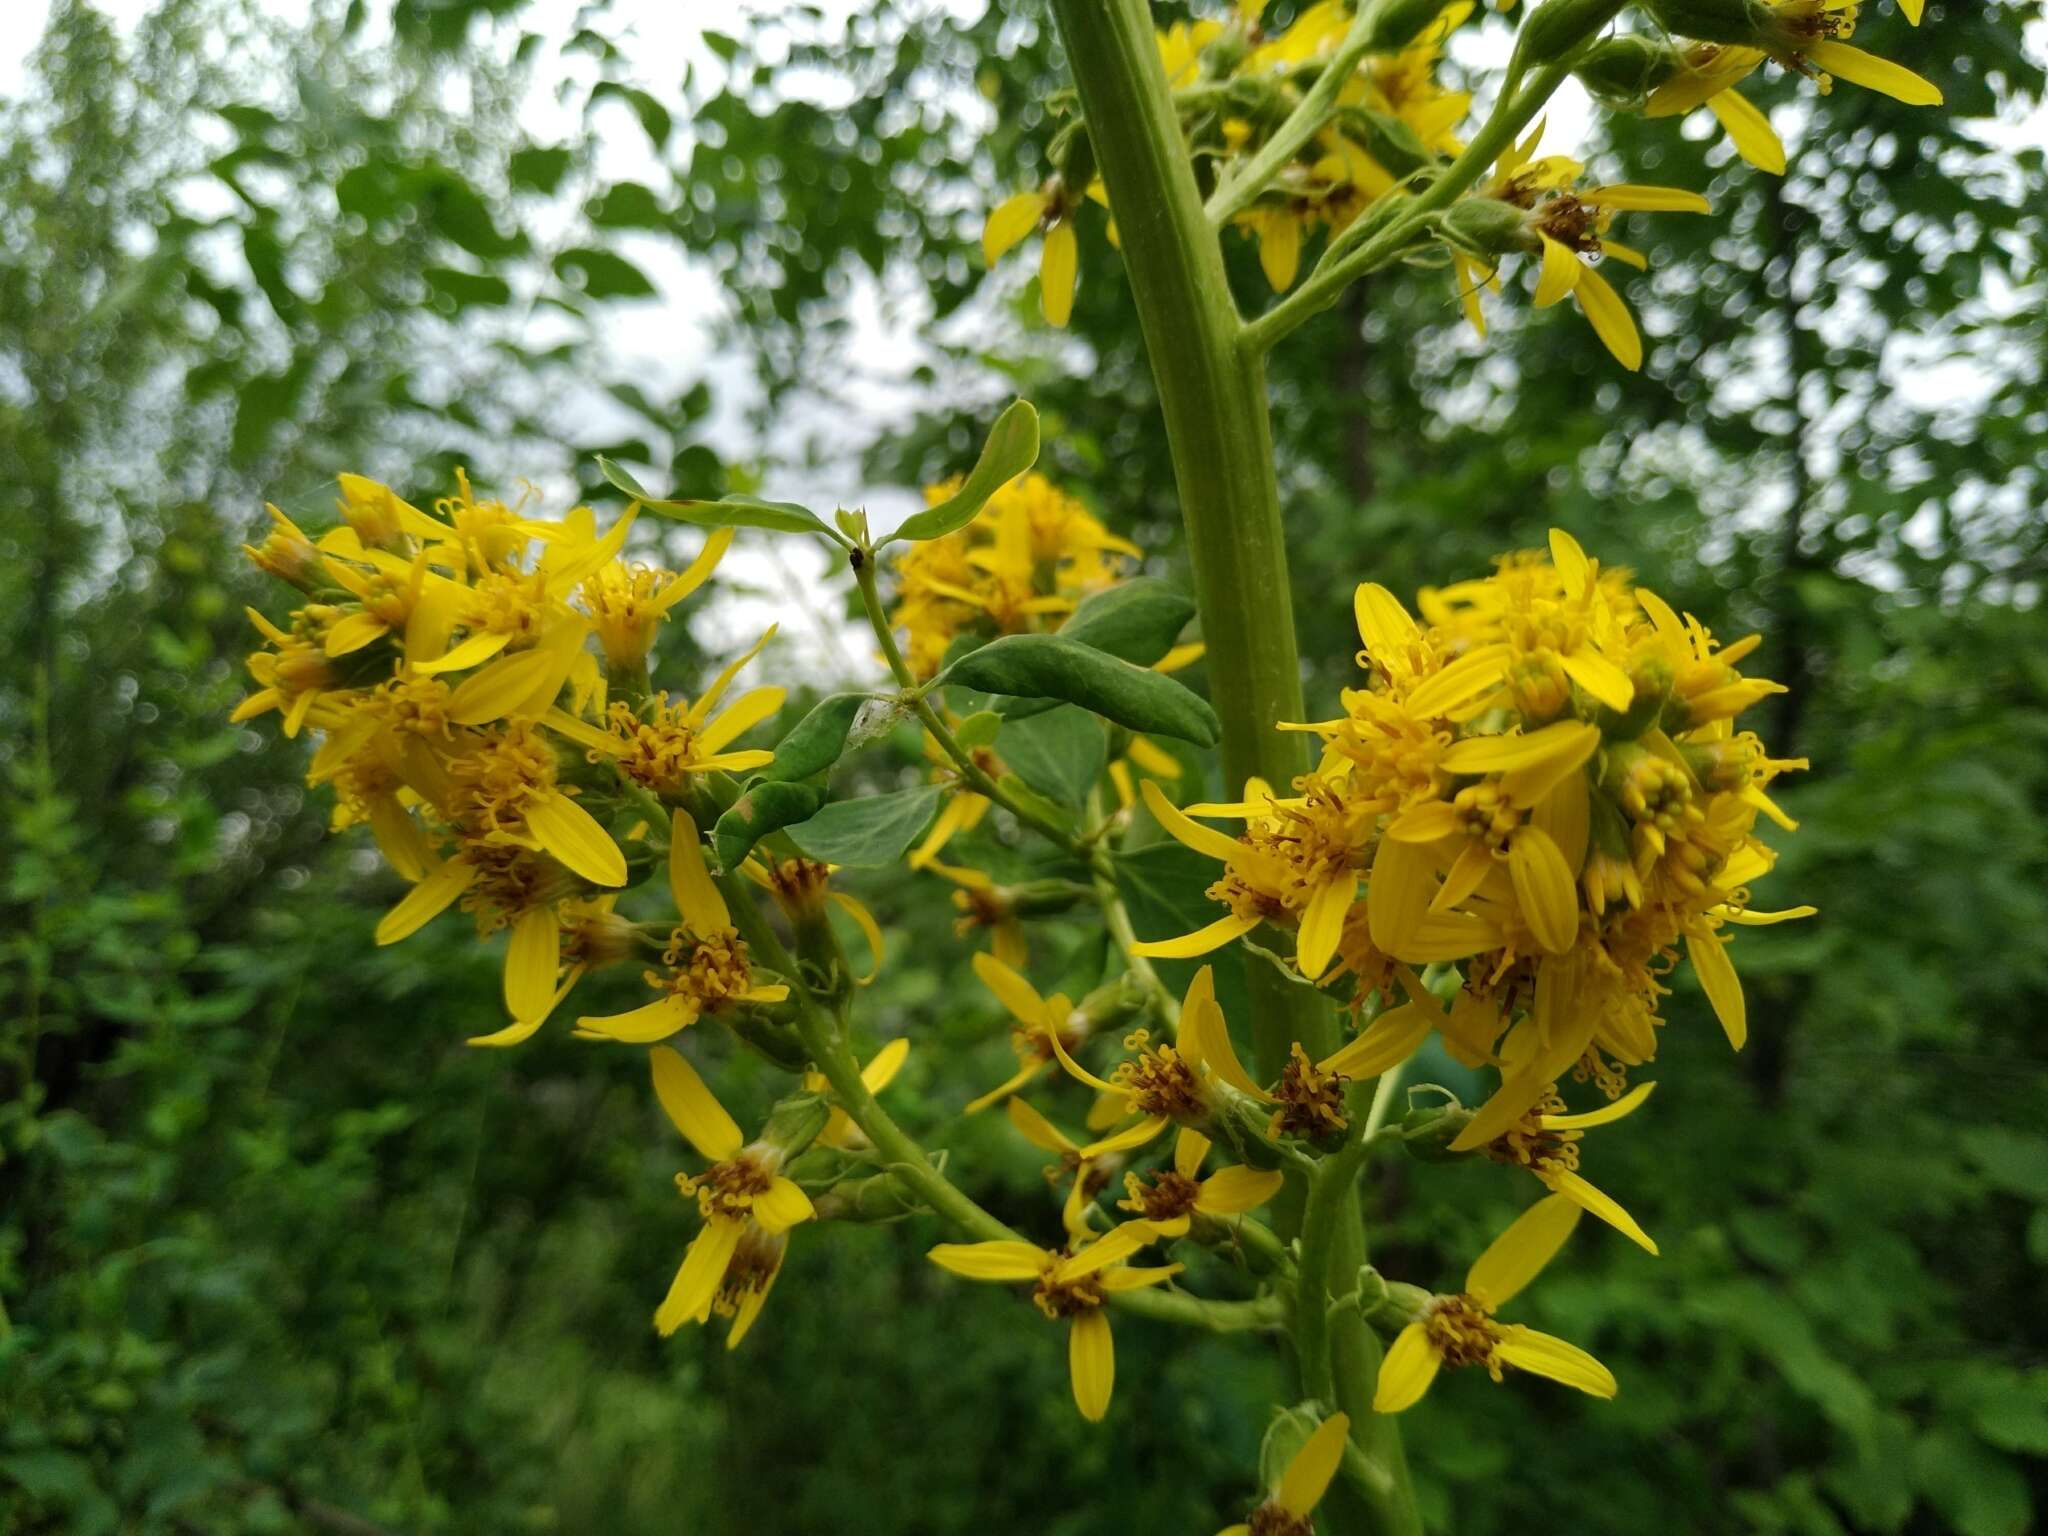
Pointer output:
1212, 391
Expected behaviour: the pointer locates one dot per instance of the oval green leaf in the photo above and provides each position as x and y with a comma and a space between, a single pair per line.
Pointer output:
1057, 667
726, 512
816, 741
1012, 448
763, 809
867, 834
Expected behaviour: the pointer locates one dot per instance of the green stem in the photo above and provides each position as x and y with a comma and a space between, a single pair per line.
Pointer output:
1331, 1189
976, 777
1212, 392
1341, 265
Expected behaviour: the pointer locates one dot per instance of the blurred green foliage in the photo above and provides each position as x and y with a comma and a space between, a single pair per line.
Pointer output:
278, 1253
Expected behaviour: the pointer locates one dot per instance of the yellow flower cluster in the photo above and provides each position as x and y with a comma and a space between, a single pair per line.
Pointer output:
445, 661
1544, 786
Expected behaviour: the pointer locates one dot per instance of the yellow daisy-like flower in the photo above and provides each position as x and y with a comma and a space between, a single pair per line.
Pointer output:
1546, 1142
1043, 1026
1461, 1330
705, 967
746, 1201
1303, 1483
1074, 1284
1059, 258
1171, 1198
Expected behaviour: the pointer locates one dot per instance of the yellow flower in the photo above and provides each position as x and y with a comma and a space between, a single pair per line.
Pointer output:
1084, 1165
1563, 223
577, 933
705, 967
1461, 1330
1803, 36
1302, 1485
660, 745
1048, 209
1042, 1024
1545, 1141
1172, 1197
627, 603
1074, 1284
746, 1201
981, 904
1165, 1083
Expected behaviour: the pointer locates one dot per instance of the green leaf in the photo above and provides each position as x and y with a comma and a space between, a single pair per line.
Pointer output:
1138, 620
655, 119
467, 289
628, 205
1012, 448
726, 512
1061, 752
539, 169
603, 274
1980, 1492
816, 741
1055, 667
761, 810
867, 834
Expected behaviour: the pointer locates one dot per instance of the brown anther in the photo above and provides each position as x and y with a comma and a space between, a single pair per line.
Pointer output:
1311, 1101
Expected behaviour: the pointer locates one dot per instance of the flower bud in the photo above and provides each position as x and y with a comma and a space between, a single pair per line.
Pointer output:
1557, 27
879, 1197
1428, 1131
1620, 72
794, 1123
1746, 22
1487, 228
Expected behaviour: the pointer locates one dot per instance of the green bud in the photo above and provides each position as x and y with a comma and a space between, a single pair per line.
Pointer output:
1621, 72
1487, 228
794, 1122
1397, 23
854, 524
1113, 1004
1749, 23
1558, 27
1428, 1131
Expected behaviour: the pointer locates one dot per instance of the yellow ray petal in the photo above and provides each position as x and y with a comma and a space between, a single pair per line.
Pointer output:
1749, 131
1231, 1191
1310, 1469
531, 962
1009, 222
1607, 1114
689, 1297
1405, 1374
783, 1205
1518, 1255
699, 903
991, 1261
425, 901
1011, 990
692, 1108
1610, 319
1561, 273
576, 838
1091, 1356
1038, 1130
1544, 887
1322, 925
1587, 1196
1708, 952
1196, 836
1056, 266
1541, 1355
1874, 74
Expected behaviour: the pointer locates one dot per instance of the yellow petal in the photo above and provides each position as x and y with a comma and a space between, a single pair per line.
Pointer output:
690, 1295
1749, 131
1406, 1372
499, 688
1874, 74
782, 1206
991, 1261
1628, 197
1518, 1255
1056, 274
1383, 624
1387, 1042
1429, 822
1091, 1355
1569, 557
1398, 893
531, 962
1586, 1196
698, 900
1011, 990
1124, 1140
1566, 814
1570, 741
1190, 1146
351, 634
473, 652
1606, 1115
1610, 319
425, 901
576, 838
1309, 1471
1462, 681
741, 716
1008, 222
1544, 888
1541, 1355
1196, 836
1280, 250
1322, 925
1230, 1191
1038, 1130
1113, 1247
1708, 952
1600, 677
880, 1072
1561, 273
1202, 941
692, 1109
1467, 279
643, 1025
